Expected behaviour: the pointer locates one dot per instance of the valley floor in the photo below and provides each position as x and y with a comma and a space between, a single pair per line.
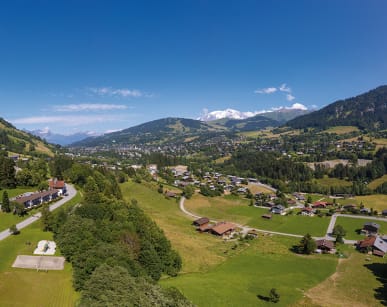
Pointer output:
218, 273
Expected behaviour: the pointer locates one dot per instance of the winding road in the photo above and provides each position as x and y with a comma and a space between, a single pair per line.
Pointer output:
71, 192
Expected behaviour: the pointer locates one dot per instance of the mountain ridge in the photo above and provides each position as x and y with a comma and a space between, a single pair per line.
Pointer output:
365, 111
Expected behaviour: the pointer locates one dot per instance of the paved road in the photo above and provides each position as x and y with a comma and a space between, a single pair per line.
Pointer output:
71, 191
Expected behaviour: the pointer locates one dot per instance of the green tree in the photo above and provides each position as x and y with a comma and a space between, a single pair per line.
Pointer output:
13, 230
339, 230
47, 218
18, 208
5, 203
188, 191
307, 245
274, 296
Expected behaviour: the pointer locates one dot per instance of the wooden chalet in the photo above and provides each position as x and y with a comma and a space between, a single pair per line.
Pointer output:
223, 228
319, 204
376, 244
55, 184
371, 228
201, 221
325, 246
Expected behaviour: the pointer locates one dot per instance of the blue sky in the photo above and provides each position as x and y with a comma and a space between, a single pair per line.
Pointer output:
107, 65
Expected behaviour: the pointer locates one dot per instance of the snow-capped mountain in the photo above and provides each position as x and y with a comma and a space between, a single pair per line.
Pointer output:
61, 139
235, 114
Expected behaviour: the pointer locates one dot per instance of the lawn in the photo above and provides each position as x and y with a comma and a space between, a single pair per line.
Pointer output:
341, 129
199, 251
266, 264
222, 208
22, 287
377, 182
352, 224
375, 201
258, 189
357, 282
326, 181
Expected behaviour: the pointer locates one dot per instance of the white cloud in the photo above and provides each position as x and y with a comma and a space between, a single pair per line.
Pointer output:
268, 90
290, 97
284, 88
89, 107
119, 92
67, 120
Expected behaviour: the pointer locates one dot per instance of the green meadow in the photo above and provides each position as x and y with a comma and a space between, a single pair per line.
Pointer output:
23, 287
238, 210
219, 273
246, 279
352, 226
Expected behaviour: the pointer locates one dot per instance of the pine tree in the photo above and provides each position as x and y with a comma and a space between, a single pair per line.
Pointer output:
5, 204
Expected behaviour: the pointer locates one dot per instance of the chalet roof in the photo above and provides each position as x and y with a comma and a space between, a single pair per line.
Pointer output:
325, 243
266, 216
367, 242
223, 227
201, 221
56, 184
380, 244
205, 227
170, 194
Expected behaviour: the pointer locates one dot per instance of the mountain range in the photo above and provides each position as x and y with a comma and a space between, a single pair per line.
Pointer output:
175, 130
62, 139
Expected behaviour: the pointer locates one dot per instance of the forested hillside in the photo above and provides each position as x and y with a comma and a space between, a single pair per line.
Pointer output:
366, 111
20, 142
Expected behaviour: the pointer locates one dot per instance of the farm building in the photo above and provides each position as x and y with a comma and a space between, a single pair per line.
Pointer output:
223, 228
376, 244
325, 246
371, 228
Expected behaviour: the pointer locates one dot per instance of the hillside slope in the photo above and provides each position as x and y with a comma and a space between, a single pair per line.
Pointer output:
366, 111
20, 142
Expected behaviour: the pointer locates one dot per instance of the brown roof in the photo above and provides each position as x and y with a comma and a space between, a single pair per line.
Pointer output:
367, 242
201, 221
378, 252
223, 227
325, 243
56, 184
205, 227
170, 194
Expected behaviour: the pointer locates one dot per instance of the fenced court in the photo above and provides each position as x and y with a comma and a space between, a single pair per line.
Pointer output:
39, 263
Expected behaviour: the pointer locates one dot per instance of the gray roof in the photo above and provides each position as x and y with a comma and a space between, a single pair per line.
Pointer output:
372, 224
380, 244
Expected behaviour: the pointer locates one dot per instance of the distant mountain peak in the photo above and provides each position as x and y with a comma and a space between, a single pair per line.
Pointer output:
235, 114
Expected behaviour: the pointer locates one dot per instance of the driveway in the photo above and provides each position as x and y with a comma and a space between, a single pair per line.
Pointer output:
71, 191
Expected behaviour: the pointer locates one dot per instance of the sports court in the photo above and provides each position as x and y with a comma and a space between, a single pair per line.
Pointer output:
43, 263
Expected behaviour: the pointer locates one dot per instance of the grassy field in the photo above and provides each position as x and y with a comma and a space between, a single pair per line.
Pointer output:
356, 282
377, 182
199, 252
22, 287
267, 263
341, 129
16, 192
375, 201
326, 181
215, 274
351, 225
258, 189
222, 208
